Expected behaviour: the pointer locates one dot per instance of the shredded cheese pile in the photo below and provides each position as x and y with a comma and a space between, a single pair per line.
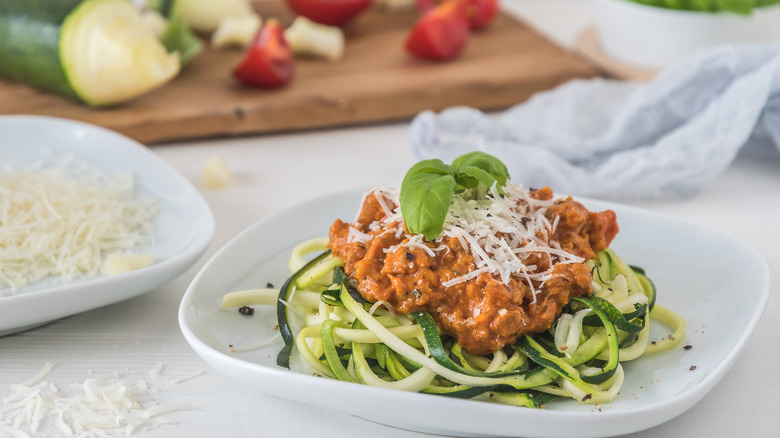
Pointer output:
66, 220
499, 231
100, 406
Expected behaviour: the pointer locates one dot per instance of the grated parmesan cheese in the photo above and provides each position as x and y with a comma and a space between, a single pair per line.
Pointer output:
65, 220
101, 406
500, 232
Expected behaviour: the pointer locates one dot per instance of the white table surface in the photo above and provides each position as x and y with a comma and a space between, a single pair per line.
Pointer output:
273, 172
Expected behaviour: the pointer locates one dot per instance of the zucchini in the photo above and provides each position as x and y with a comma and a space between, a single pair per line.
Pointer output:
440, 354
95, 51
331, 353
178, 37
283, 358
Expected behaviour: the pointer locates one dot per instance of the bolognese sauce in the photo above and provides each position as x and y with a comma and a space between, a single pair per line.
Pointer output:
501, 269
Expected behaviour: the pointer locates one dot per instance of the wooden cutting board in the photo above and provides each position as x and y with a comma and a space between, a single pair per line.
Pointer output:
377, 81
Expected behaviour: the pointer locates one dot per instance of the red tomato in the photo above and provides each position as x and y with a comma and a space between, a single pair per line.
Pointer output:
479, 12
268, 63
330, 12
440, 34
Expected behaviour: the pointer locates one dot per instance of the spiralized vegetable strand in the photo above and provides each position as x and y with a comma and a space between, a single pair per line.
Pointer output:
343, 337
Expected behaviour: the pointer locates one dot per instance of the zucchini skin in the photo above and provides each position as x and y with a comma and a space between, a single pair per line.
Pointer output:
29, 43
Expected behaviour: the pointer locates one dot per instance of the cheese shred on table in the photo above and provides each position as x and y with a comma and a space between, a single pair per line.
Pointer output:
100, 406
66, 220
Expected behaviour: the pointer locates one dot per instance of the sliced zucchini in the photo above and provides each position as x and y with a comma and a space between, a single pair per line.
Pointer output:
96, 51
108, 56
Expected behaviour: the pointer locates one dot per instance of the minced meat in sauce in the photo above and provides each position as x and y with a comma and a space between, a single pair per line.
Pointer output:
483, 313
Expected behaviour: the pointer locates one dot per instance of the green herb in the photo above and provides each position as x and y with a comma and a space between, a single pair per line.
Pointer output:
428, 187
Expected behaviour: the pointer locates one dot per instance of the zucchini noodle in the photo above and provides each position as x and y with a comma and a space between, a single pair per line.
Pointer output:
341, 336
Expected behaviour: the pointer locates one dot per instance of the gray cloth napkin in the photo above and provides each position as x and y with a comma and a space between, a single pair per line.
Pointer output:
612, 138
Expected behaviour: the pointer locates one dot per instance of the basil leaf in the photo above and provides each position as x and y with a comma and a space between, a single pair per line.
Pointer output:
428, 187
425, 200
486, 162
470, 177
434, 166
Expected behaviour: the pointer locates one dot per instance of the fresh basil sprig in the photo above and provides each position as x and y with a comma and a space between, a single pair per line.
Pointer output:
428, 187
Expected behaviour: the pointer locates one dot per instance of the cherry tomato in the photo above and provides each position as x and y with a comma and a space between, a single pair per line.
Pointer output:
441, 33
330, 12
268, 63
479, 12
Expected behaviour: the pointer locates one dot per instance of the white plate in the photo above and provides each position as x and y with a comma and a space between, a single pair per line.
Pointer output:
679, 257
184, 225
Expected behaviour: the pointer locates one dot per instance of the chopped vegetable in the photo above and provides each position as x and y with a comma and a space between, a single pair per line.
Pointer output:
236, 31
310, 38
479, 13
440, 34
51, 44
179, 38
269, 61
330, 12
206, 15
154, 21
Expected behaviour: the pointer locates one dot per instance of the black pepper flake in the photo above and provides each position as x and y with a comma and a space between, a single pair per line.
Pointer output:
524, 220
270, 285
587, 397
693, 367
410, 256
246, 310
688, 347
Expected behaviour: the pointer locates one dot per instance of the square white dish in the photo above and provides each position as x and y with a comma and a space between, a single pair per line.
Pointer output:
698, 274
184, 225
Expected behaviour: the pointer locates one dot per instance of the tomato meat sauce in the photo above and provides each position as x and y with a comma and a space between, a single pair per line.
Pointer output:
483, 313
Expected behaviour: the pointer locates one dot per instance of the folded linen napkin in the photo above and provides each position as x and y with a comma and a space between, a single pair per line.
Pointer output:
611, 138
